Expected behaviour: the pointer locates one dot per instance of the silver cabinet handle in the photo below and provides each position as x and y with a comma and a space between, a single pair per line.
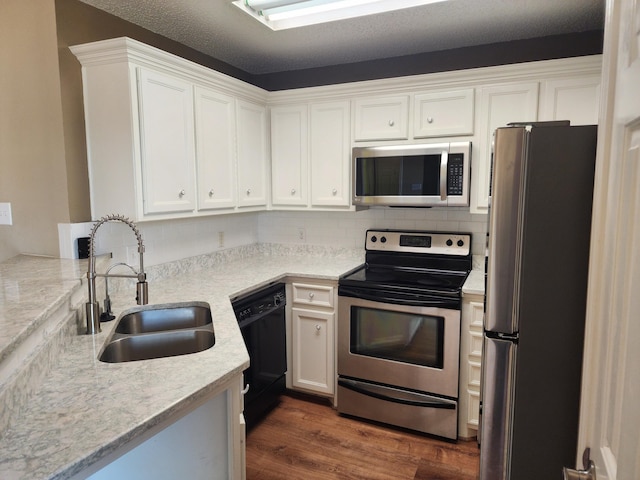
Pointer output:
293, 191
211, 192
248, 191
318, 327
245, 390
391, 123
311, 295
334, 191
429, 119
182, 193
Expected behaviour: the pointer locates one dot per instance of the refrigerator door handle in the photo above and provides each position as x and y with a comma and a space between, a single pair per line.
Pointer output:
498, 382
444, 163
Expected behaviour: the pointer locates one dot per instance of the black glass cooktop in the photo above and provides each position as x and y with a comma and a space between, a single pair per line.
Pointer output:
395, 277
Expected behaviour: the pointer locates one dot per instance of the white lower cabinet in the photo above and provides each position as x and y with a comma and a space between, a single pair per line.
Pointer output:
206, 443
470, 365
312, 337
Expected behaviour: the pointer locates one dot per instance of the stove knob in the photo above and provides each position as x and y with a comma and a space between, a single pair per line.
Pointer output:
374, 239
449, 242
383, 239
460, 243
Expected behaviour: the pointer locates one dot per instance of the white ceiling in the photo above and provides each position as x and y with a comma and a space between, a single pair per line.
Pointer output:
221, 30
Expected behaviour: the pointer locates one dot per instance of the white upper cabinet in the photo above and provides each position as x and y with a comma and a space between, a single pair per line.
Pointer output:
381, 118
310, 155
498, 106
252, 154
574, 99
289, 155
166, 143
330, 154
215, 128
161, 134
443, 114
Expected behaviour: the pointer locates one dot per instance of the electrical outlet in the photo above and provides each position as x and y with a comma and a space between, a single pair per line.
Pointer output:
220, 239
5, 214
302, 235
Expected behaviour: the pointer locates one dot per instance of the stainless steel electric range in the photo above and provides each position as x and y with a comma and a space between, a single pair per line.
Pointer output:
399, 330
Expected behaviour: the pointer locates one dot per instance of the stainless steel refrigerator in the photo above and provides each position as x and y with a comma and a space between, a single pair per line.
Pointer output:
537, 267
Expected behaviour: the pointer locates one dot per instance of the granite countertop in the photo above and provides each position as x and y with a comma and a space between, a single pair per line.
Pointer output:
474, 284
85, 409
76, 417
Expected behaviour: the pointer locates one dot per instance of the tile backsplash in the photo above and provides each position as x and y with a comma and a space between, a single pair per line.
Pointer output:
171, 240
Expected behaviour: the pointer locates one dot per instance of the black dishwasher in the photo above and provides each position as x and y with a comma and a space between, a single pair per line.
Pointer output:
261, 319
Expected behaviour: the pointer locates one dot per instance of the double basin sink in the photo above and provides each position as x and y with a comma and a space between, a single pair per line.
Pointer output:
157, 331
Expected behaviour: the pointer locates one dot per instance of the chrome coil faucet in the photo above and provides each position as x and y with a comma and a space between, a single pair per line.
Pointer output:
142, 294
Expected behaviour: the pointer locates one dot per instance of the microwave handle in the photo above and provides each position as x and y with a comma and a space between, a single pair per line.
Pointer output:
444, 161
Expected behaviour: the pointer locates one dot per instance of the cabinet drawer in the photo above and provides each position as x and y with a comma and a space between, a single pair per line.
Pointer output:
318, 295
475, 343
474, 408
441, 114
475, 370
382, 118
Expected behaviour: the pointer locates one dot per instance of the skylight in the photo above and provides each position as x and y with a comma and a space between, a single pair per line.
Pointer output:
283, 14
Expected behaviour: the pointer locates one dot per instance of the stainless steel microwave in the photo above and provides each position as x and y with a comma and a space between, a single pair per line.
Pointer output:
427, 175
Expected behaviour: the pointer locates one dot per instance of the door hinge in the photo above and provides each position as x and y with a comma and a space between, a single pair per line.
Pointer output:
589, 472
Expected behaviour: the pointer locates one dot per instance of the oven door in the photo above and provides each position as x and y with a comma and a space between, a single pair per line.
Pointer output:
405, 346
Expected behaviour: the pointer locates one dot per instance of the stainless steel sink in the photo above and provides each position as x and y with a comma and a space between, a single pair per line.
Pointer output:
159, 318
157, 331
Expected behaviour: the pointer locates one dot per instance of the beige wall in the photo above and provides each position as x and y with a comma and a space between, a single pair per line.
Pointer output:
43, 164
32, 157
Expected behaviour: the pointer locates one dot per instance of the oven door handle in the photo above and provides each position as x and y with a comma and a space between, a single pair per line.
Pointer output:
378, 296
396, 396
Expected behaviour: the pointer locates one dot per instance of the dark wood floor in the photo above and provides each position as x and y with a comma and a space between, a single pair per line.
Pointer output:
304, 438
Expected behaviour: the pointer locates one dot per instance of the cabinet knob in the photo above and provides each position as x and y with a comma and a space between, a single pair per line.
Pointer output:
310, 294
293, 191
391, 123
318, 327
429, 119
334, 191
182, 193
248, 191
211, 192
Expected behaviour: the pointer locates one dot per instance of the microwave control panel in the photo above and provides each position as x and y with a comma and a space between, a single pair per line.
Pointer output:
455, 174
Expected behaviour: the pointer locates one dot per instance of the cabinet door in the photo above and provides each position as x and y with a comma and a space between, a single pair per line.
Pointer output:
573, 99
166, 143
215, 149
312, 348
440, 114
330, 154
498, 106
252, 153
289, 155
384, 118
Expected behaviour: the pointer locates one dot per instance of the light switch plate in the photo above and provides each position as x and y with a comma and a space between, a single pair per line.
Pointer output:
5, 214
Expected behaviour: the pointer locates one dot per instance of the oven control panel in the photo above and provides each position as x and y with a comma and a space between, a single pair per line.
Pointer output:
434, 243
